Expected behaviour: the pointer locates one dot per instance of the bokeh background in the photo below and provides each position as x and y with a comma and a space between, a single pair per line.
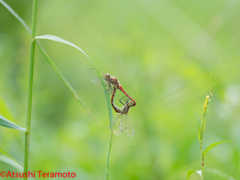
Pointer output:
162, 51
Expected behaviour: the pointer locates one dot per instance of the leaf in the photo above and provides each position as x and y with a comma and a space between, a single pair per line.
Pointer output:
64, 80
213, 145
190, 171
61, 40
9, 124
220, 173
5, 153
12, 163
16, 15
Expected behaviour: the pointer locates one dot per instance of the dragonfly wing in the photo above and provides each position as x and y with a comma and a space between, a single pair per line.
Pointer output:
117, 124
96, 81
94, 78
127, 126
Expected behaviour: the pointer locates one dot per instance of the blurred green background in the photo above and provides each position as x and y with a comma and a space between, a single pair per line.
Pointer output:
162, 52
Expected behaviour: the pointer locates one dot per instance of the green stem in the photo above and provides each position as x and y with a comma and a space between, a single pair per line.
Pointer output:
30, 87
109, 150
202, 157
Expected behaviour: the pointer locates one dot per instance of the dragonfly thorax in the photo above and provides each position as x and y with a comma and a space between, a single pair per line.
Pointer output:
112, 80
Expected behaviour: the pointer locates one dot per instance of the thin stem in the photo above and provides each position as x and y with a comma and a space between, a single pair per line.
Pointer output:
202, 157
109, 150
30, 87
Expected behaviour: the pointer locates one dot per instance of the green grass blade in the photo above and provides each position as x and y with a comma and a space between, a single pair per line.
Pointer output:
5, 153
61, 40
10, 162
9, 124
64, 80
220, 173
16, 15
190, 171
213, 145
108, 156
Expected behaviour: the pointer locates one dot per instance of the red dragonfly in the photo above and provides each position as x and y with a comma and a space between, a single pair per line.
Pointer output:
121, 120
111, 82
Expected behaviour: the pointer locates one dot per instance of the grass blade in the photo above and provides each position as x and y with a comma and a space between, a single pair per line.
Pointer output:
213, 145
9, 124
190, 171
5, 153
61, 40
11, 162
64, 80
16, 15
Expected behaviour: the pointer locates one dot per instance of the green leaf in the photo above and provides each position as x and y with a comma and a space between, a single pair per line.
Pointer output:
213, 145
5, 153
64, 80
12, 163
9, 124
16, 15
219, 173
61, 40
190, 171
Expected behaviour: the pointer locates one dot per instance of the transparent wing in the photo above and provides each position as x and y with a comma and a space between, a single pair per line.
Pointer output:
92, 73
95, 80
117, 124
127, 126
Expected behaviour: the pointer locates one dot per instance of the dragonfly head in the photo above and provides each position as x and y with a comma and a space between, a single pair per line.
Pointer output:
107, 76
130, 104
127, 106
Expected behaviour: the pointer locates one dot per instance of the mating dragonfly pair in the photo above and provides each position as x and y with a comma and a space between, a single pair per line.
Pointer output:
121, 120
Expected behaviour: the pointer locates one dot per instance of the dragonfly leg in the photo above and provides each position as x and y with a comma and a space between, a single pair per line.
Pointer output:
109, 88
120, 100
126, 100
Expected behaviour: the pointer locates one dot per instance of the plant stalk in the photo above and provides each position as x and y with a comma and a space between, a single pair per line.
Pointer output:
109, 150
202, 158
30, 87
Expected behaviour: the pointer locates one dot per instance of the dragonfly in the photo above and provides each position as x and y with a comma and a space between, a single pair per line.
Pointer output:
111, 82
121, 120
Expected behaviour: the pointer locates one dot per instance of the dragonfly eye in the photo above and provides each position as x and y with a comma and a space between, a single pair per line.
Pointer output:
107, 76
130, 104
